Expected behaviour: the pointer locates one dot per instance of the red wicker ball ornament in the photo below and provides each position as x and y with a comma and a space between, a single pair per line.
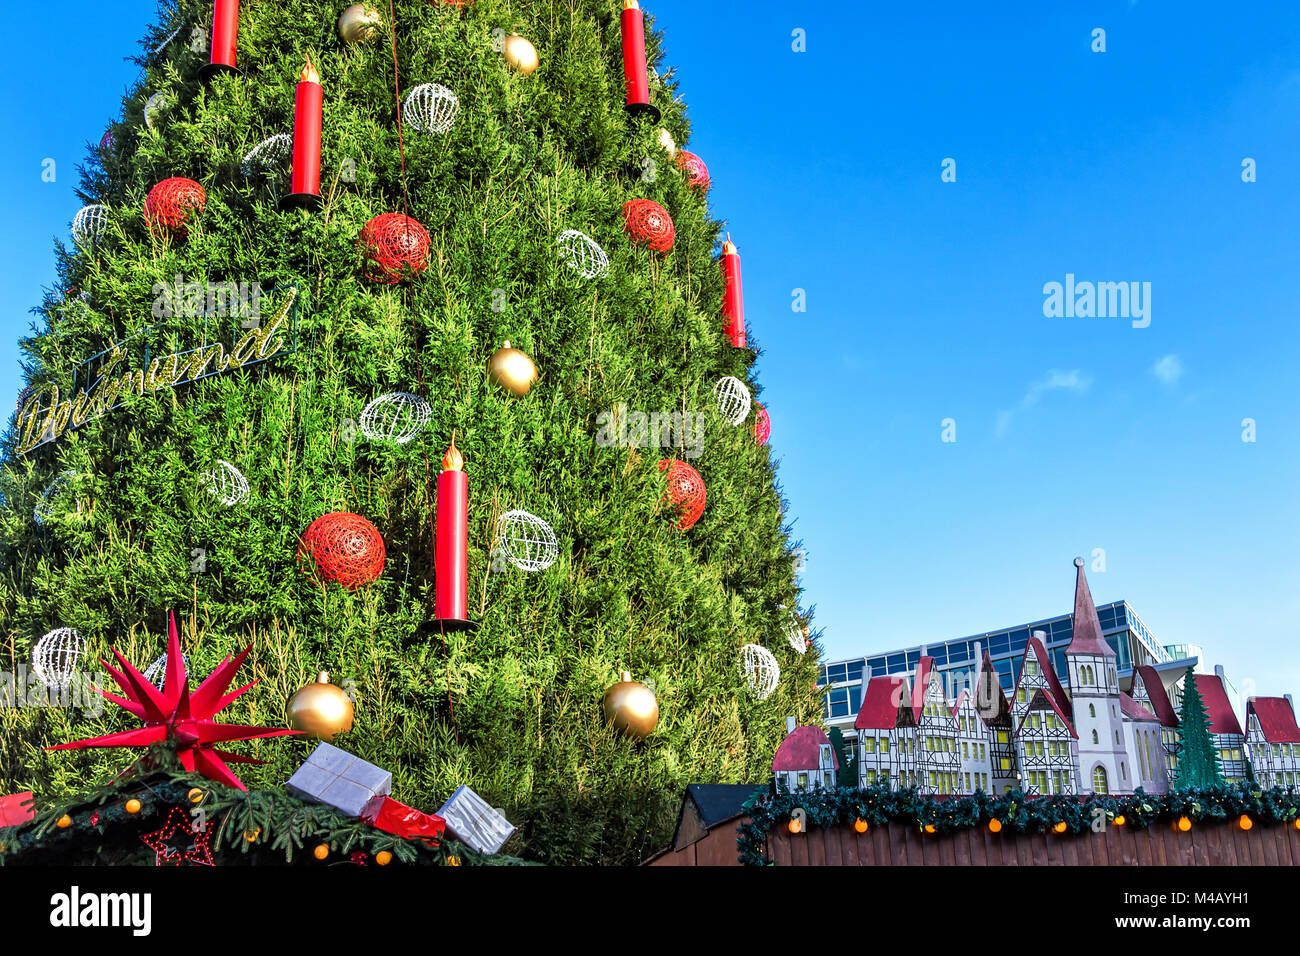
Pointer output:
762, 425
648, 223
171, 203
396, 245
697, 174
345, 548
686, 493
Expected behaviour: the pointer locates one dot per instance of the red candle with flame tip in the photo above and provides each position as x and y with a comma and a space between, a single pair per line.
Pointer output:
225, 32
733, 301
451, 538
307, 118
634, 69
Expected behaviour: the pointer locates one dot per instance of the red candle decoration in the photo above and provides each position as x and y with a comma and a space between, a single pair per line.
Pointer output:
225, 34
697, 174
733, 299
686, 494
634, 69
451, 542
648, 223
307, 116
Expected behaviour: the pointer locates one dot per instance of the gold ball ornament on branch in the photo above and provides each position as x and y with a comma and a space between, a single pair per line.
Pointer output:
322, 851
631, 708
520, 54
359, 22
512, 369
195, 795
322, 709
132, 806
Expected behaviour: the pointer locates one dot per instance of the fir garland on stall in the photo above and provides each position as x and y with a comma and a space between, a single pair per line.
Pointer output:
1014, 812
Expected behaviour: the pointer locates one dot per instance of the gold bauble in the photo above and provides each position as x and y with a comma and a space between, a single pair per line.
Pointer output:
321, 851
520, 54
631, 707
321, 709
63, 822
512, 369
195, 795
252, 835
453, 861
667, 142
132, 806
359, 22
383, 858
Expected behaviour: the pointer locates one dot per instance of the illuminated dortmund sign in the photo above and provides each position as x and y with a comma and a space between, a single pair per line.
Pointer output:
104, 382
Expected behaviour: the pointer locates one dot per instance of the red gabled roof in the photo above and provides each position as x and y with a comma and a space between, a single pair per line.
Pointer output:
1135, 711
990, 701
1035, 647
1215, 698
1087, 626
1155, 689
920, 685
16, 809
880, 703
961, 699
1041, 695
801, 750
1276, 719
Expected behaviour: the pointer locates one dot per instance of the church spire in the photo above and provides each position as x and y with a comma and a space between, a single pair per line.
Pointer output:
1087, 627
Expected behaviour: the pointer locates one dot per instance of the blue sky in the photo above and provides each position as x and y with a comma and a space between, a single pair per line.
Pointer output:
925, 298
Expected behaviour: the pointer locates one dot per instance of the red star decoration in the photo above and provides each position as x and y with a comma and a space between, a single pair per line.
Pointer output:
199, 854
174, 714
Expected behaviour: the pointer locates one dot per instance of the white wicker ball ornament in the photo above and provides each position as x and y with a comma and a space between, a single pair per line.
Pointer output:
396, 417
51, 498
795, 634
226, 483
761, 670
269, 155
156, 671
583, 254
153, 109
55, 657
733, 399
526, 541
89, 224
431, 108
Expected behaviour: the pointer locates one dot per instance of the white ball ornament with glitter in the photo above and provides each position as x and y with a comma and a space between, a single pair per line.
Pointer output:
761, 670
431, 108
733, 399
583, 254
55, 657
270, 154
397, 417
526, 541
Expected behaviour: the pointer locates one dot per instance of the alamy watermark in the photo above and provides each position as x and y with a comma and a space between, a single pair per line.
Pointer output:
25, 690
622, 428
184, 297
1104, 300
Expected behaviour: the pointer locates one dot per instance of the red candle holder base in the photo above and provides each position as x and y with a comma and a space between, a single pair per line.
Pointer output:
644, 109
451, 625
211, 71
309, 201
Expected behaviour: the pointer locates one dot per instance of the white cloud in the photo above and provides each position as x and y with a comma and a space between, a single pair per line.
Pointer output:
1169, 369
1055, 380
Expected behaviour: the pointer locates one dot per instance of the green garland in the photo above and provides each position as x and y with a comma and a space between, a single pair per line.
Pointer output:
249, 828
1016, 812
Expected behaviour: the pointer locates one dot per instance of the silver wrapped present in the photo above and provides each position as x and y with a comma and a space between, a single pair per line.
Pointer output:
471, 821
341, 780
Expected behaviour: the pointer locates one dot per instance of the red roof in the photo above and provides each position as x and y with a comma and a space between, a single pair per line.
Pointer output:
961, 699
1035, 647
1276, 719
1040, 694
919, 686
801, 750
991, 703
1155, 689
1215, 698
1087, 626
13, 811
880, 704
1133, 710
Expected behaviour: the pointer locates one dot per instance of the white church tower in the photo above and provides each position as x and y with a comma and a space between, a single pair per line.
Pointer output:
1094, 697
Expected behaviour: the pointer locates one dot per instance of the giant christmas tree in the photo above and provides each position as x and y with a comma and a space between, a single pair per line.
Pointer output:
128, 501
